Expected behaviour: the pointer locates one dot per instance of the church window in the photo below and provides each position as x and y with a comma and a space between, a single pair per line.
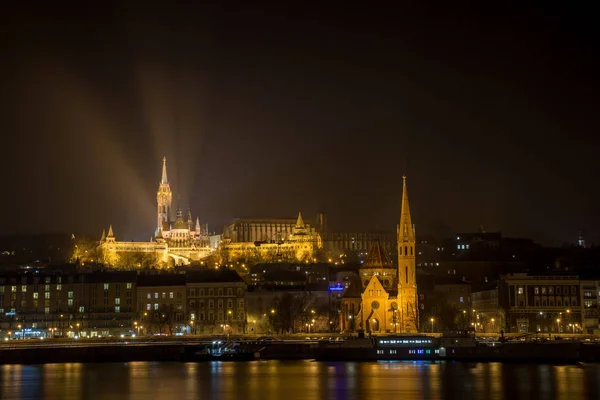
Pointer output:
405, 250
411, 250
406, 273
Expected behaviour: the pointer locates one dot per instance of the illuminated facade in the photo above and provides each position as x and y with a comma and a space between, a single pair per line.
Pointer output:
385, 298
269, 241
407, 279
178, 242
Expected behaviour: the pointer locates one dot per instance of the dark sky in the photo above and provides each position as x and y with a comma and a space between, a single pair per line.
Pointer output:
263, 112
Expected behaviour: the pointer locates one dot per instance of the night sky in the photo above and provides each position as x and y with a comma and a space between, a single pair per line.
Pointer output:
264, 112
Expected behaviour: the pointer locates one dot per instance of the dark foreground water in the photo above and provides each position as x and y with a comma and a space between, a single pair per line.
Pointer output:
288, 380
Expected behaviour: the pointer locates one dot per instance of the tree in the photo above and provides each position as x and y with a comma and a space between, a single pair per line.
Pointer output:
413, 315
281, 315
163, 319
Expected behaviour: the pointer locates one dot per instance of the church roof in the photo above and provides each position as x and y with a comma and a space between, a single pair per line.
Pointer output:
378, 257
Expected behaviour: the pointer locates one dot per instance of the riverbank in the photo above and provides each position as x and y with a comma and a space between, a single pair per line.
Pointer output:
174, 349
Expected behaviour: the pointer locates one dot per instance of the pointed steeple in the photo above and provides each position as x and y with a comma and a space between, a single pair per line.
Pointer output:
110, 232
197, 225
103, 235
300, 221
407, 231
189, 217
164, 171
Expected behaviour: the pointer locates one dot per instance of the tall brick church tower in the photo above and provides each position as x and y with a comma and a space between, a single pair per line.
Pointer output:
407, 280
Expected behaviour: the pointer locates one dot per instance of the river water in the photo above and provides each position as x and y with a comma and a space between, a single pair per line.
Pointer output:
289, 380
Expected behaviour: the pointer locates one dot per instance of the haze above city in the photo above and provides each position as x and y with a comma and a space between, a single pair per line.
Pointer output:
490, 113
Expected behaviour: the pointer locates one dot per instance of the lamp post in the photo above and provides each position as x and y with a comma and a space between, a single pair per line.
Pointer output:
432, 321
557, 325
22, 334
192, 328
493, 325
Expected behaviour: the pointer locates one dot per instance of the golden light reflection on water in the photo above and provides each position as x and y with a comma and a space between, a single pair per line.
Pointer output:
290, 380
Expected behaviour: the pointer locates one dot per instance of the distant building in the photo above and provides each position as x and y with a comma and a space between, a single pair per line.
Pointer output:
485, 305
67, 305
162, 304
541, 303
255, 241
481, 240
216, 301
456, 292
590, 301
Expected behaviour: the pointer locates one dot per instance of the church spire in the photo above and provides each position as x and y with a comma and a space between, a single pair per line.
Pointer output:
407, 232
300, 221
103, 235
164, 171
110, 232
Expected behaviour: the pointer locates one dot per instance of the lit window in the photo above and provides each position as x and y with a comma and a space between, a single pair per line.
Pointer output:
23, 288
117, 309
81, 309
155, 295
520, 290
148, 296
155, 306
47, 310
461, 299
106, 286
129, 284
70, 302
148, 306
117, 300
70, 295
59, 287
170, 295
35, 295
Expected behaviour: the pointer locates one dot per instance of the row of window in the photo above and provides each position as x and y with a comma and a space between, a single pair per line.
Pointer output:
211, 303
552, 302
211, 292
156, 307
549, 290
172, 295
220, 316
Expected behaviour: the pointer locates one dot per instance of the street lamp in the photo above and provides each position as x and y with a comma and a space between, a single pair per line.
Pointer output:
192, 327
558, 325
493, 325
22, 333
432, 320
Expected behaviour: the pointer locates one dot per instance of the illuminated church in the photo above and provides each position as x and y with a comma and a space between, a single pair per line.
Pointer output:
177, 242
384, 299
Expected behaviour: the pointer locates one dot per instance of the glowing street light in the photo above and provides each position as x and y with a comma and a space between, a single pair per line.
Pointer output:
432, 321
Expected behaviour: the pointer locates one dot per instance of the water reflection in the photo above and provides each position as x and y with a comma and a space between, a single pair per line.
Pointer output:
289, 380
